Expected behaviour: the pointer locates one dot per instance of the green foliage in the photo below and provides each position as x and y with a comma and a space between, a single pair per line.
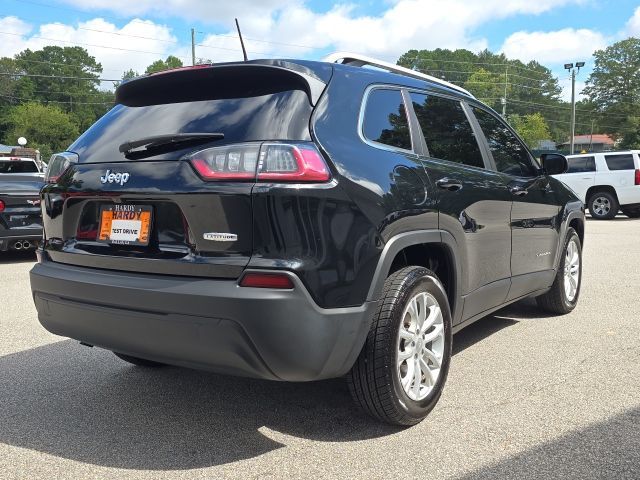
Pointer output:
614, 89
532, 128
488, 87
47, 127
531, 87
160, 65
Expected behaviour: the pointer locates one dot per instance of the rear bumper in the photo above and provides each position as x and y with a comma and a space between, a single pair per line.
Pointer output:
201, 323
9, 237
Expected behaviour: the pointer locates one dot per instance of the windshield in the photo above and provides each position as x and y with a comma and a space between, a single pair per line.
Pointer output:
276, 116
18, 166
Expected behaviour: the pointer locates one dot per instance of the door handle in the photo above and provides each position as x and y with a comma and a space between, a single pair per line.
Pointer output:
449, 184
518, 190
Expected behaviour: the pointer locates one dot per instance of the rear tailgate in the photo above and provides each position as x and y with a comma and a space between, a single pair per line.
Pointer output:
184, 209
20, 195
197, 227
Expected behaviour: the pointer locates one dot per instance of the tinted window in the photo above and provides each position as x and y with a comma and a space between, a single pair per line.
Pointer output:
17, 166
581, 164
447, 130
620, 162
508, 152
385, 119
278, 116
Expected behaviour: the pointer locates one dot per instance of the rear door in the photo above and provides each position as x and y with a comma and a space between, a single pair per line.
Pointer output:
535, 216
196, 226
474, 204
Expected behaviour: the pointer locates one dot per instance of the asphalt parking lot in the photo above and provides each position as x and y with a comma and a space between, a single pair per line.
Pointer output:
528, 396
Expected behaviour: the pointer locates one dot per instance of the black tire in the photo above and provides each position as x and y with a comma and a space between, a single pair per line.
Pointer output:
140, 362
555, 300
374, 380
606, 198
631, 212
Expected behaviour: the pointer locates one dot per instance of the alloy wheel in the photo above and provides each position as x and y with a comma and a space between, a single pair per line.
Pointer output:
420, 346
571, 271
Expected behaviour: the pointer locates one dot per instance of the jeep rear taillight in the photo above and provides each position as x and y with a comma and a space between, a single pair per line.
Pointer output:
637, 182
269, 161
58, 165
1, 206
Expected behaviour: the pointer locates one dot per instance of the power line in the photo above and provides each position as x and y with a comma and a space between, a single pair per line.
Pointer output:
87, 44
60, 77
25, 99
474, 63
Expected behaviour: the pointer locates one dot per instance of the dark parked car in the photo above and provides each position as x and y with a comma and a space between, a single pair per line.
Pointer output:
20, 215
297, 220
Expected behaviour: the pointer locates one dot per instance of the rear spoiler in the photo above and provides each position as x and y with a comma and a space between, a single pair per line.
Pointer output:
213, 82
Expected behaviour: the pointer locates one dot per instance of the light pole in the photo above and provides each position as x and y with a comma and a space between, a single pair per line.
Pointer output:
574, 71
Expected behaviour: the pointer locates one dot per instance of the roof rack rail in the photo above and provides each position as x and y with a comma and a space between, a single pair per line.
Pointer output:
358, 60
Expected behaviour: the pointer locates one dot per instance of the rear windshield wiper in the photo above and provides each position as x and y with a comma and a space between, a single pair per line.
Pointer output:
165, 143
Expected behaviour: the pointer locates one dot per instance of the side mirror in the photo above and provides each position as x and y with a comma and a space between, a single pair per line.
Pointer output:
554, 163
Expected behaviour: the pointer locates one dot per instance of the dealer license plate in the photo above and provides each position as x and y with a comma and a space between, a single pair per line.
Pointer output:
125, 224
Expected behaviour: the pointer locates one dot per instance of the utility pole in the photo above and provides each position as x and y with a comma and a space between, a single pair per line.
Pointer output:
504, 99
574, 71
193, 46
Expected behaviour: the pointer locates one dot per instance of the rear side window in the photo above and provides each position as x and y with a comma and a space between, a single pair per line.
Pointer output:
385, 119
447, 130
282, 115
581, 164
510, 155
17, 166
620, 162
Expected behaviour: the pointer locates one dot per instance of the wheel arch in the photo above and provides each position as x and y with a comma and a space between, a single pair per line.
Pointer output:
600, 188
433, 249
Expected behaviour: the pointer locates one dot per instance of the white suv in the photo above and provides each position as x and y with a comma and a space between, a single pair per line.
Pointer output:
606, 182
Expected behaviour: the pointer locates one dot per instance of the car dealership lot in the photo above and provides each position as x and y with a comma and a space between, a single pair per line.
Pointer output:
528, 396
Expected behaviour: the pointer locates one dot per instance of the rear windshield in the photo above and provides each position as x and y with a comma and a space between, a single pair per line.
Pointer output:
18, 166
282, 115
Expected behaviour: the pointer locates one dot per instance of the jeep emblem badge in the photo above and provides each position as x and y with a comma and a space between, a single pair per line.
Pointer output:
110, 177
220, 237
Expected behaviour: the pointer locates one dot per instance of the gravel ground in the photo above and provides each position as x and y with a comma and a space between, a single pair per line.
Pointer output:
528, 396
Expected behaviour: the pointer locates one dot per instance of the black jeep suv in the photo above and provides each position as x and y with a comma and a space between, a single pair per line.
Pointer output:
297, 220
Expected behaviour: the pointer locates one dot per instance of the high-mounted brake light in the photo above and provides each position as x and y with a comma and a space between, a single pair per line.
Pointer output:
637, 182
266, 280
58, 165
274, 162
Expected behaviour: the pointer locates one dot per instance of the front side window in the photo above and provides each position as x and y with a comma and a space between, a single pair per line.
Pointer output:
385, 119
619, 162
510, 155
447, 130
581, 164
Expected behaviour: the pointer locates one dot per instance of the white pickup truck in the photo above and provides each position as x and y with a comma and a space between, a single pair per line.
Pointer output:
606, 182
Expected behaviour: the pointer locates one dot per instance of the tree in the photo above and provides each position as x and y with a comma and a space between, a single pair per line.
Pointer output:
66, 76
488, 87
532, 128
160, 65
46, 127
614, 87
531, 87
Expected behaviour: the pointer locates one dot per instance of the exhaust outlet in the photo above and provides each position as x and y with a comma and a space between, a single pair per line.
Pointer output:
17, 245
26, 244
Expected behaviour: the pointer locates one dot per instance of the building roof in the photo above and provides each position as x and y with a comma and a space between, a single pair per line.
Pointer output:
592, 139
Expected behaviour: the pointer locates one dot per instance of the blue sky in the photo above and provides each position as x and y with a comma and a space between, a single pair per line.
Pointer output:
124, 34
